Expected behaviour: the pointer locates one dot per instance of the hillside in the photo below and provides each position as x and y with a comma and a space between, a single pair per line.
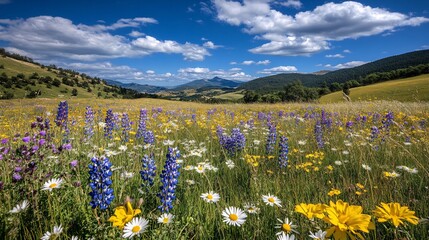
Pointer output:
215, 82
143, 88
405, 90
20, 77
276, 82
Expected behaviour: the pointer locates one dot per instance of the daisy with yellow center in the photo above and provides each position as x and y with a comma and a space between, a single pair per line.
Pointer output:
286, 227
251, 208
311, 210
396, 213
135, 227
271, 200
53, 183
166, 218
210, 197
234, 216
346, 221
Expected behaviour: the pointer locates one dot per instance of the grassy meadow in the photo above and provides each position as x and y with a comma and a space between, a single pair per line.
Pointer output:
405, 90
345, 158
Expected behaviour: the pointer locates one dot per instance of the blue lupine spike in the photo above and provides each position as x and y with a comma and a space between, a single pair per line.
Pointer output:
100, 182
283, 152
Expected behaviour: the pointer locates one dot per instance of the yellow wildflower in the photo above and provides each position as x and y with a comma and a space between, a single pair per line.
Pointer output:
123, 214
311, 210
396, 213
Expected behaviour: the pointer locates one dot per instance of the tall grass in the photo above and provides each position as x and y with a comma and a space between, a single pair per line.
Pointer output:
310, 175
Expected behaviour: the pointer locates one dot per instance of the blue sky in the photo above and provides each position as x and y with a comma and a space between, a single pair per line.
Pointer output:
168, 43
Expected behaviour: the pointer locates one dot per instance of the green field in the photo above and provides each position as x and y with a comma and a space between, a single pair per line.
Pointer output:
231, 96
404, 90
12, 67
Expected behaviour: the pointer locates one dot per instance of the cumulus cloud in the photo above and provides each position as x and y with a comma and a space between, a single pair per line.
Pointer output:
250, 62
55, 37
310, 31
334, 55
136, 34
346, 65
279, 69
211, 45
291, 3
188, 74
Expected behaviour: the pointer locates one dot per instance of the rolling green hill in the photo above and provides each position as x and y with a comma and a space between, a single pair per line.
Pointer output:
20, 77
405, 90
279, 81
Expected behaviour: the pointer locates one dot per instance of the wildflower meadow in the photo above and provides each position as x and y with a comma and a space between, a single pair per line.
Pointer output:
154, 169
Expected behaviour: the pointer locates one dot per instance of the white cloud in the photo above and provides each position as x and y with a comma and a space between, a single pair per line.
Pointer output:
291, 3
334, 55
310, 31
346, 51
150, 72
197, 70
263, 62
250, 62
189, 74
136, 34
279, 69
211, 45
55, 37
233, 63
347, 64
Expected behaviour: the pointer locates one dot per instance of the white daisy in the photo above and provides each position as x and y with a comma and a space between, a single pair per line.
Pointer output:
210, 197
20, 207
234, 216
271, 200
366, 167
251, 208
319, 235
286, 227
53, 183
57, 230
46, 236
256, 142
284, 236
122, 148
339, 163
230, 164
200, 169
126, 175
190, 182
135, 227
302, 142
166, 218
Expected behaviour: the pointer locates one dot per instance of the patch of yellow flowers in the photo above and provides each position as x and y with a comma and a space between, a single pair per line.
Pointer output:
348, 221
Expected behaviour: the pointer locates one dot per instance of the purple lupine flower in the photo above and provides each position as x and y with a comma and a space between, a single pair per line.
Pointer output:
110, 124
283, 152
62, 115
16, 177
349, 125
26, 139
149, 137
116, 121
271, 138
73, 163
18, 169
88, 130
142, 124
318, 133
233, 143
169, 180
126, 127
388, 120
325, 121
148, 170
374, 133
99, 181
